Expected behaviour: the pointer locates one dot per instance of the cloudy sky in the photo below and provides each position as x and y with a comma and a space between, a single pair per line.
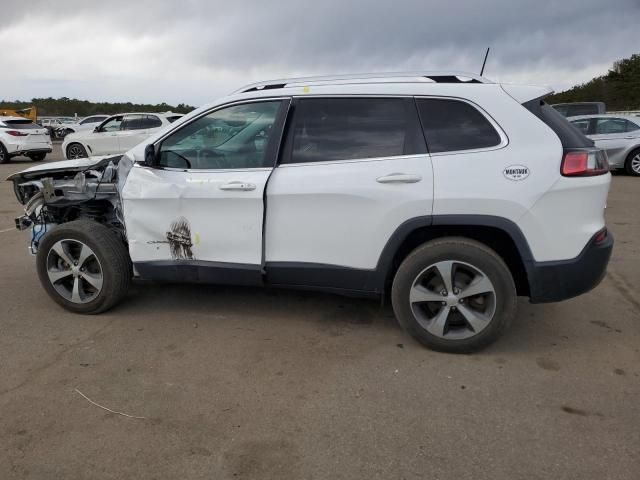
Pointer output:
195, 50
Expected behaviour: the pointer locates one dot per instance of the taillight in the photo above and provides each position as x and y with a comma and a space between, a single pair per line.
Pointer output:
16, 133
601, 236
584, 163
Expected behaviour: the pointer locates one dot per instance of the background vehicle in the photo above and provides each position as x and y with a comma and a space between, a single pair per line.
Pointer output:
20, 136
116, 134
618, 135
448, 192
87, 123
580, 108
31, 113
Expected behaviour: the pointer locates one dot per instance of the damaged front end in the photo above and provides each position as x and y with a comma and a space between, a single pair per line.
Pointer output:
65, 191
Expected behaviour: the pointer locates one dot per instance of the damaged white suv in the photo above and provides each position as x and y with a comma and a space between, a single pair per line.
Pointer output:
451, 193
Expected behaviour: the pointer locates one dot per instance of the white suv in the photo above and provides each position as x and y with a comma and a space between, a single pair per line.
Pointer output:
116, 134
450, 193
20, 136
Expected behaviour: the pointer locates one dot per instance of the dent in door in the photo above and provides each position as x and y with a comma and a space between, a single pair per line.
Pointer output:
179, 240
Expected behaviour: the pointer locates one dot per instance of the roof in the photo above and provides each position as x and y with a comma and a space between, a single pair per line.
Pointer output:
387, 77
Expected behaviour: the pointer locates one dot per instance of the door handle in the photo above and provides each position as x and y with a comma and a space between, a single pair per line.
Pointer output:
242, 186
399, 178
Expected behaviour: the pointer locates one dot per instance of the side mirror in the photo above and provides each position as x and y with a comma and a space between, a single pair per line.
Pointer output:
97, 129
150, 156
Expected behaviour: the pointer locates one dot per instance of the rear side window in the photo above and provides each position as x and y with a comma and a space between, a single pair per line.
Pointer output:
570, 136
21, 124
150, 121
131, 122
325, 129
605, 126
453, 125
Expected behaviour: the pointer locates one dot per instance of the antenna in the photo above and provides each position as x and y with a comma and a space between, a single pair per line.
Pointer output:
485, 61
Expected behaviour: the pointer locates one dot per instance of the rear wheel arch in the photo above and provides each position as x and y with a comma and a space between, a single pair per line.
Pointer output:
498, 233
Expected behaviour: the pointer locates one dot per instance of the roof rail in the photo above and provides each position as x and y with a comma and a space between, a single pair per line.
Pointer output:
388, 77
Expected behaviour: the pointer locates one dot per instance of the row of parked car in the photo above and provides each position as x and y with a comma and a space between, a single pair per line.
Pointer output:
94, 135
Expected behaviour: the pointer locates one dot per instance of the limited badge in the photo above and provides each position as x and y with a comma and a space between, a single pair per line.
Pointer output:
516, 172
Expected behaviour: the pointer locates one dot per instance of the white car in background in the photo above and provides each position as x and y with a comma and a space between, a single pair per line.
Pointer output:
87, 123
116, 134
20, 136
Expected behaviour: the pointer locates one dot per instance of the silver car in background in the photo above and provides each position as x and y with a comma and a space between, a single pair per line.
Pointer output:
618, 135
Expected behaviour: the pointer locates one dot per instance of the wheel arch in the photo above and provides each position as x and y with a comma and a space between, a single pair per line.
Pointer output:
498, 233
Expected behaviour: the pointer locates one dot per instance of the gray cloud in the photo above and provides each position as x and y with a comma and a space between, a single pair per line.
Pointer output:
194, 51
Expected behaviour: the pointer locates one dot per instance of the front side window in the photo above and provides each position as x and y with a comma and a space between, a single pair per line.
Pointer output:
92, 120
453, 125
232, 137
326, 129
112, 125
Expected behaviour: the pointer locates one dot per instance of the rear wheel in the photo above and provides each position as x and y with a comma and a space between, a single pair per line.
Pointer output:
75, 150
632, 165
37, 157
454, 295
4, 156
84, 266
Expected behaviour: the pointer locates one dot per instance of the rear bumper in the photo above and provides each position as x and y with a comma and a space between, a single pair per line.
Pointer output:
555, 281
27, 149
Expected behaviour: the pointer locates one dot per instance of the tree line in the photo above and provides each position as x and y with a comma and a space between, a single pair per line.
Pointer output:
68, 107
619, 89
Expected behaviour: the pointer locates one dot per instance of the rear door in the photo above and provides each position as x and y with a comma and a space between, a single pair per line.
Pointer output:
613, 135
351, 171
132, 131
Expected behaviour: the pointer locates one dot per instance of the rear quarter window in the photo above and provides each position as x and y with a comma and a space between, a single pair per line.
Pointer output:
453, 125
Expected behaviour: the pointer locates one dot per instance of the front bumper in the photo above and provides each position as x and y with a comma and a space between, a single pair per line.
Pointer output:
560, 280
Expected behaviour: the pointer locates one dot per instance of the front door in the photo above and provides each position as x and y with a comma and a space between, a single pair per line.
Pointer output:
199, 216
105, 140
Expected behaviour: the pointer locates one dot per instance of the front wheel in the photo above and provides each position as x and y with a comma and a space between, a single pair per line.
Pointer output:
37, 157
454, 295
84, 266
75, 151
632, 165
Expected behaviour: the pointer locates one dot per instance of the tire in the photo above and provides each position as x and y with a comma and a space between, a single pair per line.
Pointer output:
37, 157
632, 164
4, 155
467, 322
76, 150
106, 256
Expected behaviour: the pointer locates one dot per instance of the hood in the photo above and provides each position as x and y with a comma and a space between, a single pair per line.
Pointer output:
62, 166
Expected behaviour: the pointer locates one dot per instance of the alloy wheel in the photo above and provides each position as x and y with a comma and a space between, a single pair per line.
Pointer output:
74, 271
76, 151
635, 164
453, 300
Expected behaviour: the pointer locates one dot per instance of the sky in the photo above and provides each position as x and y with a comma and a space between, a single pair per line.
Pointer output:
193, 51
